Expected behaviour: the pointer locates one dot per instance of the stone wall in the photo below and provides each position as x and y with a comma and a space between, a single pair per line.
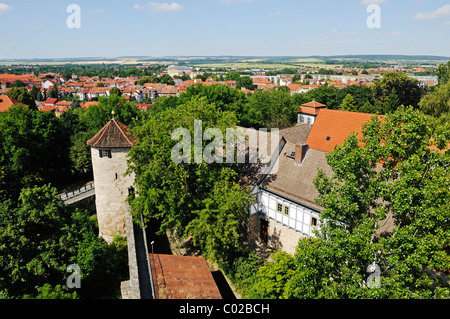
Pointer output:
111, 191
279, 237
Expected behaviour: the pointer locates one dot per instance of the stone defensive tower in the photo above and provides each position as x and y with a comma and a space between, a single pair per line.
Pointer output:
109, 149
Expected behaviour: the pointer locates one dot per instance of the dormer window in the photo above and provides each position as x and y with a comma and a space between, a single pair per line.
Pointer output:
105, 153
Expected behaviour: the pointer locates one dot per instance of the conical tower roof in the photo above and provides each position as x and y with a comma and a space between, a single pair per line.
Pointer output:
113, 135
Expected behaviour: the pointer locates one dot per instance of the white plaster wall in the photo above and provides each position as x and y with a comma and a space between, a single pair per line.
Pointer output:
111, 192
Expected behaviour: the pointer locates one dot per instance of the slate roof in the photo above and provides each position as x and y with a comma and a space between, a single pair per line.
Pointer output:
296, 181
182, 277
293, 181
113, 135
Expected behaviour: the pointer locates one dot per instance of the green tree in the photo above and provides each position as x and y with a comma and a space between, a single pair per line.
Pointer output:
103, 266
38, 240
97, 116
40, 236
22, 95
361, 93
19, 84
271, 278
49, 292
195, 199
360, 195
444, 73
53, 92
33, 149
244, 81
166, 79
269, 109
408, 90
115, 91
223, 96
349, 104
411, 187
327, 95
392, 103
438, 102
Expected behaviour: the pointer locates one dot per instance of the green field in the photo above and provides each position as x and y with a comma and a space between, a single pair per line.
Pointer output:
241, 63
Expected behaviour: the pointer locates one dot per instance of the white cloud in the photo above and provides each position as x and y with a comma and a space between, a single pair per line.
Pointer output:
447, 22
441, 12
233, 1
98, 11
5, 7
348, 41
368, 2
158, 6
278, 13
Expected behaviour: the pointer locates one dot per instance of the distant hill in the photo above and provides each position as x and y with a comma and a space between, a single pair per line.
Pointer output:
385, 57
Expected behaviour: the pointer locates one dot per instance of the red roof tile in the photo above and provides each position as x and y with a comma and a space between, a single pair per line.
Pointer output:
312, 107
113, 135
333, 127
6, 103
182, 277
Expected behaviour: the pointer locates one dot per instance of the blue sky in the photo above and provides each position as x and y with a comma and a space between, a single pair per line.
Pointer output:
112, 28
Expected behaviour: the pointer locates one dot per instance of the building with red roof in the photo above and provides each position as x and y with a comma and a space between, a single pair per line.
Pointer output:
6, 103
286, 209
182, 277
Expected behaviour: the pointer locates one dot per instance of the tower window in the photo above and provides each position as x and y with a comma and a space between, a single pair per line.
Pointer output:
105, 153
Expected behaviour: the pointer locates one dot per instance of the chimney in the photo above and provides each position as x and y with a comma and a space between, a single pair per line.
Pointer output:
300, 153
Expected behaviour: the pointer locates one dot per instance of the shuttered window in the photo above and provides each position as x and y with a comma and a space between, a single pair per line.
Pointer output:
105, 153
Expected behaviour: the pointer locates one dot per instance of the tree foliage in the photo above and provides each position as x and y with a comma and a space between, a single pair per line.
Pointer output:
399, 172
33, 149
196, 199
407, 89
40, 236
438, 102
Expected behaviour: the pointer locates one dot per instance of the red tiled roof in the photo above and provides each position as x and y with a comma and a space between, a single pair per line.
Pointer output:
6, 103
113, 135
46, 108
182, 277
50, 101
333, 127
312, 107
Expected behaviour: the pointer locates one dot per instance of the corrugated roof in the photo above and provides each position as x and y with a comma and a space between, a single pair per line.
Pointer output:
333, 127
113, 135
182, 277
